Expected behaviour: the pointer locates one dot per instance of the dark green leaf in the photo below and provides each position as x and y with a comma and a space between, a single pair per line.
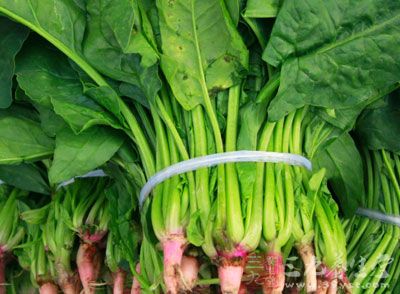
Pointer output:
379, 127
334, 54
202, 51
48, 79
117, 45
22, 138
344, 171
12, 36
24, 176
78, 154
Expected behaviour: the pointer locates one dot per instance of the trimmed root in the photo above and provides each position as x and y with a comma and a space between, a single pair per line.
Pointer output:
230, 270
48, 288
274, 282
307, 255
2, 273
173, 248
344, 281
136, 289
333, 286
68, 282
119, 282
189, 273
322, 285
89, 262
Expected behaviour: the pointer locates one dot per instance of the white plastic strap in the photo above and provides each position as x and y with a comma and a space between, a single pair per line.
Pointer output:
377, 215
219, 158
1, 182
93, 174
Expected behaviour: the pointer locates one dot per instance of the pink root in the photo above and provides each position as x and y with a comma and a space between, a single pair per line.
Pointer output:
173, 248
89, 262
189, 273
242, 289
68, 282
230, 270
333, 287
119, 282
136, 289
48, 288
2, 273
274, 282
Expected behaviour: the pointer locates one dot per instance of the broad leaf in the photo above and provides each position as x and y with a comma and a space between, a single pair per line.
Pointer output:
322, 48
344, 170
118, 47
78, 154
379, 126
22, 138
48, 79
202, 51
24, 176
262, 8
12, 36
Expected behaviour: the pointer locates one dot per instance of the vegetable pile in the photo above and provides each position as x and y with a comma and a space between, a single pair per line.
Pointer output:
131, 87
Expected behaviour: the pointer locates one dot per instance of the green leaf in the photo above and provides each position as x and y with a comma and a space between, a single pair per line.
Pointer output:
234, 7
22, 138
118, 47
379, 127
24, 176
322, 48
344, 171
12, 36
49, 80
202, 51
78, 154
193, 231
262, 8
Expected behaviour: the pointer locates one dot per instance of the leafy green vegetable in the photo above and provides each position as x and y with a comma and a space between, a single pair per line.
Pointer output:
262, 8
321, 48
22, 138
343, 164
378, 127
201, 51
79, 154
12, 36
27, 177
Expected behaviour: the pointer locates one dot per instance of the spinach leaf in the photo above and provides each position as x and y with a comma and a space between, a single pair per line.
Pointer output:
202, 50
262, 8
379, 126
24, 176
78, 154
12, 36
22, 138
118, 46
48, 79
344, 167
334, 54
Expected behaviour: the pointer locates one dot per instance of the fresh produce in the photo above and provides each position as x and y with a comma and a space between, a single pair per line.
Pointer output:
132, 87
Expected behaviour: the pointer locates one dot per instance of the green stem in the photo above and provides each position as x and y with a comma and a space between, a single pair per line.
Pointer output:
234, 222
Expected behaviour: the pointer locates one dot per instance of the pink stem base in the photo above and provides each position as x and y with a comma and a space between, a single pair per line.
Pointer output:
274, 282
89, 262
230, 270
119, 282
173, 248
136, 289
48, 288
